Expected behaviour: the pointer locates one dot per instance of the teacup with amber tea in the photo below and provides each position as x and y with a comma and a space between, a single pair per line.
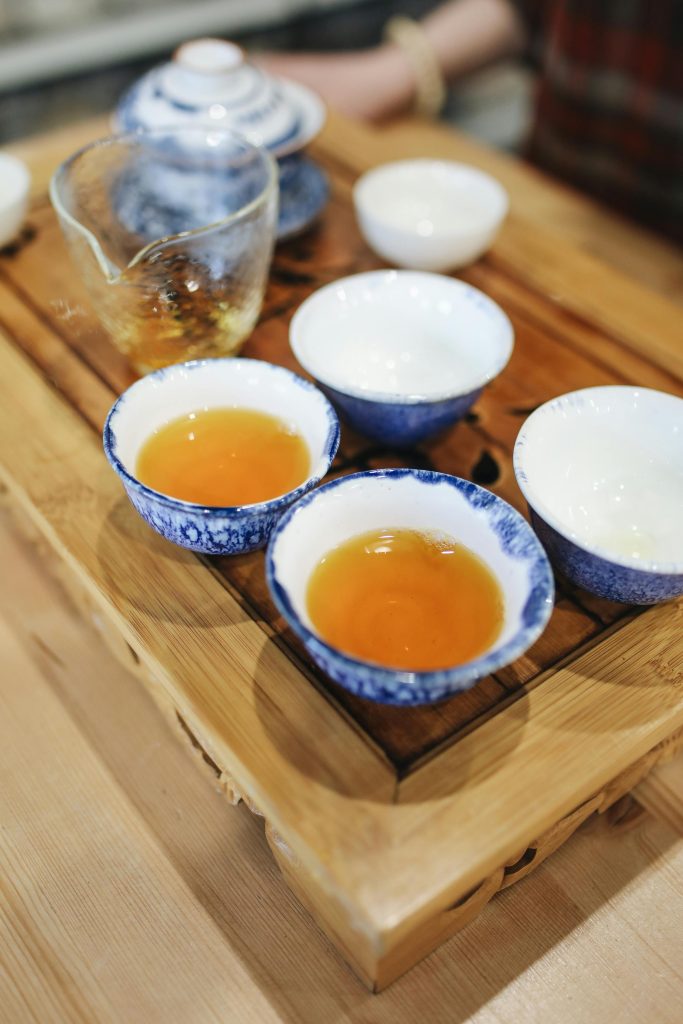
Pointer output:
407, 586
212, 452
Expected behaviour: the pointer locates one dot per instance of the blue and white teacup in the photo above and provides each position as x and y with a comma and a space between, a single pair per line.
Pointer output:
602, 472
175, 391
424, 501
401, 354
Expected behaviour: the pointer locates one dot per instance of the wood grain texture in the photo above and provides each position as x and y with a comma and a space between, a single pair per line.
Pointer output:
358, 795
567, 218
422, 830
52, 321
662, 793
573, 943
226, 652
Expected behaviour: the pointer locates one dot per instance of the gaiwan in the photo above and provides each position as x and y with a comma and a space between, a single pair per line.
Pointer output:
210, 83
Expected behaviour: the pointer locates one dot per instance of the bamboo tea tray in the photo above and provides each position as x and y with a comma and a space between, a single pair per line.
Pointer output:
394, 826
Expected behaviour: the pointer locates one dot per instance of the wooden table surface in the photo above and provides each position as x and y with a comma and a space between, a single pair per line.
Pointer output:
131, 890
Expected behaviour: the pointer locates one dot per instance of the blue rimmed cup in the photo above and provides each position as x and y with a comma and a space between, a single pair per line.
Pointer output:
602, 473
175, 391
424, 501
401, 354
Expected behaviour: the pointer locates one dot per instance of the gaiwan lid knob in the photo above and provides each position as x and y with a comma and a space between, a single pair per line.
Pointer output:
209, 56
202, 69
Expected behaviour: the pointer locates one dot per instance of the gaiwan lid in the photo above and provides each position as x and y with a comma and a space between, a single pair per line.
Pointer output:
210, 82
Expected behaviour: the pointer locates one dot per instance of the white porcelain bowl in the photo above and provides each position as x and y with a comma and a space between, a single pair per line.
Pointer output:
402, 354
418, 500
14, 187
174, 391
429, 214
602, 472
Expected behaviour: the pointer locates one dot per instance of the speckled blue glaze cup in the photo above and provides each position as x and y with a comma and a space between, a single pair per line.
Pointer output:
419, 500
602, 472
206, 384
401, 354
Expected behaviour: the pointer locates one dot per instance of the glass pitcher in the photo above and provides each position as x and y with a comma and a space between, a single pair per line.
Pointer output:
172, 232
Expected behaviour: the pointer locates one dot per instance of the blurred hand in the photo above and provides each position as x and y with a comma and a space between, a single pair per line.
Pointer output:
369, 85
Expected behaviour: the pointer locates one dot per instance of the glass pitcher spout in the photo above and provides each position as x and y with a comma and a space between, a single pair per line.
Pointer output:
78, 235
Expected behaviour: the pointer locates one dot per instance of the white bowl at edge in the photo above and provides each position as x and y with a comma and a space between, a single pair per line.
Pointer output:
602, 472
429, 214
14, 188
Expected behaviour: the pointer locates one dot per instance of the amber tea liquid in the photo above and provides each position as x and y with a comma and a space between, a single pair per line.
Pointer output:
224, 457
171, 310
406, 600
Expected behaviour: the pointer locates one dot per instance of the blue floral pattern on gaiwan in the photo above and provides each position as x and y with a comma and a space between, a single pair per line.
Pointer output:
303, 198
155, 198
209, 84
